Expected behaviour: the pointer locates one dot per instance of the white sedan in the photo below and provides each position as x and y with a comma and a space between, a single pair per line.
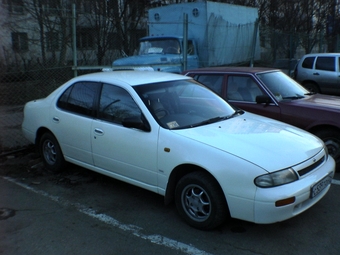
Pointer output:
171, 135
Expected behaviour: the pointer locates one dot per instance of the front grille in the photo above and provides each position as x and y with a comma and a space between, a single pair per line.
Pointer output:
311, 167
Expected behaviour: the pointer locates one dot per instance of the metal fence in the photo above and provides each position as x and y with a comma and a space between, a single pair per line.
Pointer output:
23, 81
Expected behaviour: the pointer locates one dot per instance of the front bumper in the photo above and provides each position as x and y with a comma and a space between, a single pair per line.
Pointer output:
265, 210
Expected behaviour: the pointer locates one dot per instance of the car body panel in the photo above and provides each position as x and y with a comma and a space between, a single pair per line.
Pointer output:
74, 140
250, 141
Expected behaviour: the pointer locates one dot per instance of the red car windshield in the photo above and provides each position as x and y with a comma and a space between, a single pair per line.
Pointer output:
282, 86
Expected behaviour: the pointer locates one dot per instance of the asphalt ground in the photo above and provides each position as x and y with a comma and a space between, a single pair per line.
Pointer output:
82, 212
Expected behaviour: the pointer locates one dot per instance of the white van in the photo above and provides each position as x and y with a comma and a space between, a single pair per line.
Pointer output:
319, 73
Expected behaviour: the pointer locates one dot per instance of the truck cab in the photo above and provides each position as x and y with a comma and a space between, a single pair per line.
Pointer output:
162, 53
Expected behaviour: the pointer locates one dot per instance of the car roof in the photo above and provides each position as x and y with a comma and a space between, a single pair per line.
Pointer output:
235, 69
322, 54
132, 77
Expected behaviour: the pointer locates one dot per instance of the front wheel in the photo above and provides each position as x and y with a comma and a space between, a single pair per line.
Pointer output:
200, 201
51, 153
331, 138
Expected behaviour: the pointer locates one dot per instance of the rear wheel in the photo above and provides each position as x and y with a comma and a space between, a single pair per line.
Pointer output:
51, 153
331, 138
200, 201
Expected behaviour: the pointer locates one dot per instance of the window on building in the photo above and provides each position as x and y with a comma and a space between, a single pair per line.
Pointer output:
84, 6
15, 6
19, 41
85, 38
112, 41
52, 41
51, 6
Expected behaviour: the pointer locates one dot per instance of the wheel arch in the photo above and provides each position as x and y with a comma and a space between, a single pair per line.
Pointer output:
306, 82
177, 174
39, 134
318, 128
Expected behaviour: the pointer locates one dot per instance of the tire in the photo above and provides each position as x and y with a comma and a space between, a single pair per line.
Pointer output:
51, 153
331, 138
200, 201
312, 87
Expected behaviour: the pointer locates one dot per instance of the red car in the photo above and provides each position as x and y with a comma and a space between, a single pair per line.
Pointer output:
271, 93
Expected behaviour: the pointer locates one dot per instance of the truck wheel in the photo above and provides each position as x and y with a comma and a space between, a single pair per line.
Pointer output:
51, 153
200, 201
312, 87
331, 138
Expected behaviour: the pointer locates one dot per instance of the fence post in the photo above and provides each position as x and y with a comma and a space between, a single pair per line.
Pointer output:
253, 50
185, 41
74, 38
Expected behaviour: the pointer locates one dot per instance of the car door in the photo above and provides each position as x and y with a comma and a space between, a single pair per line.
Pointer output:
326, 74
129, 154
242, 91
72, 120
192, 57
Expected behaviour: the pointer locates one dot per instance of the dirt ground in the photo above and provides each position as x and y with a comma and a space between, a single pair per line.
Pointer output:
26, 165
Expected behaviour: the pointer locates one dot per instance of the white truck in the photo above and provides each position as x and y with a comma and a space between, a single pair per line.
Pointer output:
191, 35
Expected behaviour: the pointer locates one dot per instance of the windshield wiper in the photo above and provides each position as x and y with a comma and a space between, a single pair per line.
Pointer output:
236, 113
217, 119
310, 93
205, 122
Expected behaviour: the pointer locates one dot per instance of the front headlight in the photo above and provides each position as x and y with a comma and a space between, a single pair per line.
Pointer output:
326, 151
276, 179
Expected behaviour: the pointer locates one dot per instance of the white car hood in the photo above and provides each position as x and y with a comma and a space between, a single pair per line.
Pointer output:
265, 142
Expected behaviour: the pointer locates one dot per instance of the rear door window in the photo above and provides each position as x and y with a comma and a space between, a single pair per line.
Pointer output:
308, 62
212, 81
79, 98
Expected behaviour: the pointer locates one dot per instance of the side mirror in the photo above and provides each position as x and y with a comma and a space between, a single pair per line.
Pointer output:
263, 99
136, 122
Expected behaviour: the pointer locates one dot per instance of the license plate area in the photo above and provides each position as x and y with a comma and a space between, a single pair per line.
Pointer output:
321, 185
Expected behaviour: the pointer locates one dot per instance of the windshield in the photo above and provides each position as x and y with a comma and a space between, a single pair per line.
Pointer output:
184, 104
159, 46
282, 86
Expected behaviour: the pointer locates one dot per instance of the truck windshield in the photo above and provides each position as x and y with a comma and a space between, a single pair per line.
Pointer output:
159, 46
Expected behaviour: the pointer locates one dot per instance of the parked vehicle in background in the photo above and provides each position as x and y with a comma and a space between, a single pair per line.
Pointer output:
271, 93
319, 72
218, 34
169, 134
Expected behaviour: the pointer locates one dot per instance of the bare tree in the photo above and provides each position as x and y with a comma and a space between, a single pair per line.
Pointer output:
53, 26
128, 19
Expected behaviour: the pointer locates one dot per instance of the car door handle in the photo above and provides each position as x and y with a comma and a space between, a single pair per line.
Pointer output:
99, 131
55, 119
316, 74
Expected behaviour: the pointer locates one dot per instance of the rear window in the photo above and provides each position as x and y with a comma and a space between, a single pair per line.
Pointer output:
325, 63
79, 98
308, 62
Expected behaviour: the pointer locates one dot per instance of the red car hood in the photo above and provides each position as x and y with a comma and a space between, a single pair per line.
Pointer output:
322, 101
